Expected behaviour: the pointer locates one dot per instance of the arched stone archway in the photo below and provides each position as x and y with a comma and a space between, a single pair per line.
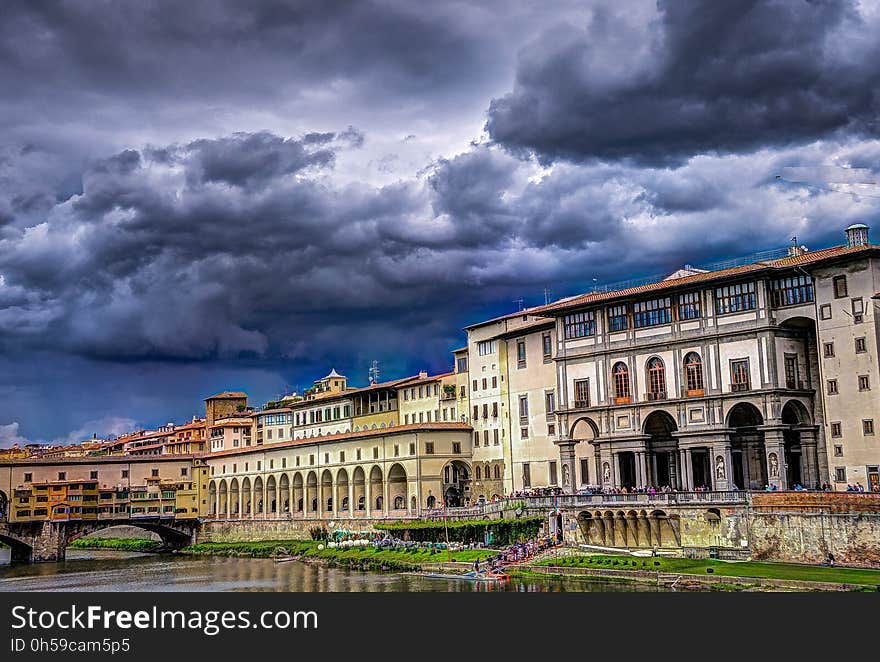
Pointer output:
456, 481
312, 497
212, 498
271, 496
299, 497
377, 490
358, 480
326, 498
799, 445
234, 503
662, 456
284, 495
584, 466
223, 498
397, 486
343, 498
750, 464
246, 497
258, 497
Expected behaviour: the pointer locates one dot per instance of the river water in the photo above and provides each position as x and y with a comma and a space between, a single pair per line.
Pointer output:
99, 570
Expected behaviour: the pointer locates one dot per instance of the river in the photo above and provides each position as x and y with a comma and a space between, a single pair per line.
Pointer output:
99, 570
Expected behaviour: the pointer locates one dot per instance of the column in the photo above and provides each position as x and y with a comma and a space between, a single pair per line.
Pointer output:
689, 470
809, 458
567, 458
240, 511
682, 472
774, 456
351, 504
615, 470
386, 493
368, 496
641, 478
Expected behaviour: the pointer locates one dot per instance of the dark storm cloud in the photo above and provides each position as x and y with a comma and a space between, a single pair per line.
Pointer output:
693, 78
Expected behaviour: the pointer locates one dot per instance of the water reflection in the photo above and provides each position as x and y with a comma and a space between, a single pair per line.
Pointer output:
128, 571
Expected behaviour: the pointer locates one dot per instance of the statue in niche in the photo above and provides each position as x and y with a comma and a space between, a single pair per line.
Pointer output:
774, 465
720, 473
606, 472
565, 480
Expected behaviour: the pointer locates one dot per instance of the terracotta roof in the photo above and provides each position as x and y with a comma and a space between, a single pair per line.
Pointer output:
228, 395
806, 259
329, 438
526, 311
429, 378
460, 349
286, 410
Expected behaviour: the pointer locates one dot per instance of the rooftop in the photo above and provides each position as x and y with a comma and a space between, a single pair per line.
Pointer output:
228, 395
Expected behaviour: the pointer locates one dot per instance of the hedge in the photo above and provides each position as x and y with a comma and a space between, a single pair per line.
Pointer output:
504, 531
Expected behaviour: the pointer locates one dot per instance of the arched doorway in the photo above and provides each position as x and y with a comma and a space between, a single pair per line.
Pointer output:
585, 434
747, 446
359, 482
298, 493
376, 489
258, 495
397, 486
312, 492
662, 450
284, 494
271, 495
246, 496
456, 477
342, 490
795, 415
233, 497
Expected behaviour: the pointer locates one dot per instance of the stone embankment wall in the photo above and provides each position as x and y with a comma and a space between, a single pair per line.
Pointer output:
806, 527
270, 529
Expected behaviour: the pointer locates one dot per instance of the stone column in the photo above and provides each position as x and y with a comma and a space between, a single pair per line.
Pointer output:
567, 458
774, 449
351, 504
368, 496
615, 470
689, 469
641, 477
240, 504
809, 458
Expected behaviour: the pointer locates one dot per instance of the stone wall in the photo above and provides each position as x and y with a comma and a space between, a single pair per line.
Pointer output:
269, 529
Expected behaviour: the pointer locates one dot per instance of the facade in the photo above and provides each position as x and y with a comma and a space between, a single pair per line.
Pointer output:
109, 488
399, 471
231, 432
753, 376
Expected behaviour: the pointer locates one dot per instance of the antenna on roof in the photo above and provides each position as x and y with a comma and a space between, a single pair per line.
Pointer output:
519, 302
374, 372
547, 295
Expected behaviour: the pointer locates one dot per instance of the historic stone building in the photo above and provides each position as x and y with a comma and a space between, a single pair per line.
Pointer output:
753, 375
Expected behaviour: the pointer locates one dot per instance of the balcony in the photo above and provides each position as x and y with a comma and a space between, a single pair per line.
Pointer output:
656, 395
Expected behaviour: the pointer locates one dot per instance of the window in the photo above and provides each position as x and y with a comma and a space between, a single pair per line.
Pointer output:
527, 475
791, 291
689, 306
520, 353
551, 429
429, 448
523, 409
485, 384
497, 471
825, 311
494, 410
581, 393
861, 345
832, 387
357, 455
486, 347
485, 437
656, 379
375, 452
476, 412
495, 440
864, 383
739, 375
396, 450
652, 313
838, 450
839, 287
840, 474
620, 377
547, 347
858, 309
456, 447
617, 318
62, 475
485, 410
93, 475
580, 325
585, 471
792, 374
523, 433
828, 350
405, 394
475, 385
836, 429
553, 473
479, 472
734, 298
462, 392
549, 402
461, 364
495, 382
693, 371
868, 426
125, 473
476, 438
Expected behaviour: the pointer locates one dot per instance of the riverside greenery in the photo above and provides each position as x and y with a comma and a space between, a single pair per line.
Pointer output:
121, 544
503, 531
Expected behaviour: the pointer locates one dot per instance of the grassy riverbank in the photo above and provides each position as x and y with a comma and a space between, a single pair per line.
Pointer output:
365, 558
119, 544
742, 569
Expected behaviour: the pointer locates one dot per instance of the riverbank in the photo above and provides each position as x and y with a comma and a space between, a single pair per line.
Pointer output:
361, 558
117, 544
721, 575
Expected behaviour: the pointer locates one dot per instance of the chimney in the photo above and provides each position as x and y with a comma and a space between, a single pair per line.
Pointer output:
857, 235
423, 374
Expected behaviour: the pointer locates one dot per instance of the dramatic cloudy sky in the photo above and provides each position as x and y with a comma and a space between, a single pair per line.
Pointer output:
204, 195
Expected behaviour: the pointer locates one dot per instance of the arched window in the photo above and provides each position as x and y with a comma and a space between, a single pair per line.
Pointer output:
432, 501
362, 502
478, 473
497, 471
329, 504
378, 503
620, 376
693, 370
398, 503
656, 379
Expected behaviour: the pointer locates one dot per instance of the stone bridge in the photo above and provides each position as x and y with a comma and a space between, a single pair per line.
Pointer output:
48, 540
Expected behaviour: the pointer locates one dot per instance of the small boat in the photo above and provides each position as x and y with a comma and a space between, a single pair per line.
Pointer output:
285, 559
468, 576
